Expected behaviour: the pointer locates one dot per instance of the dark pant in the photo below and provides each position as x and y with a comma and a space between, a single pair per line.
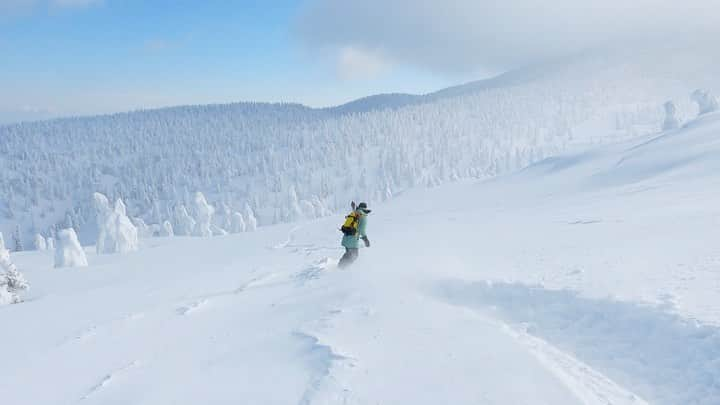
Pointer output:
349, 257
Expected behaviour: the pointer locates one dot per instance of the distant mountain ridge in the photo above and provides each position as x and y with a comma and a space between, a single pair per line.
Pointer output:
370, 103
399, 100
286, 161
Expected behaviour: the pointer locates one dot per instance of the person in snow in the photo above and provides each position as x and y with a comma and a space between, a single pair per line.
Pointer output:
354, 230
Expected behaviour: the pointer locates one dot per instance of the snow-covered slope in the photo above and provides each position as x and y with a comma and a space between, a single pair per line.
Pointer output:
589, 278
269, 157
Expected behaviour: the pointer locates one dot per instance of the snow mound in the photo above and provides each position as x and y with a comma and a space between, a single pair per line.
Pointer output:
68, 252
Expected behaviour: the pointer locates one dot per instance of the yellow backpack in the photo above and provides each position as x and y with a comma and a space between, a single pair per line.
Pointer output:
350, 227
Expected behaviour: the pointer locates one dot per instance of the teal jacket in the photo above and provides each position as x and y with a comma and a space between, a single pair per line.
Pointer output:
353, 241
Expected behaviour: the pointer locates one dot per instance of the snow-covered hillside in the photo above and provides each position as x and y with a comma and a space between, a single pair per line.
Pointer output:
588, 278
269, 159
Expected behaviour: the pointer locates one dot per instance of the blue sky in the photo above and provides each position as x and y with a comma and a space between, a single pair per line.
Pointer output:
67, 57
72, 57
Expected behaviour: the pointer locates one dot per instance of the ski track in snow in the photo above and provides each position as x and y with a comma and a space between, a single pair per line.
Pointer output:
106, 380
659, 355
307, 249
192, 307
86, 334
202, 300
259, 281
315, 271
588, 385
92, 331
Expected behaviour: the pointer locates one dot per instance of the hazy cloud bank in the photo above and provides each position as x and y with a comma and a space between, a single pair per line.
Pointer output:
462, 36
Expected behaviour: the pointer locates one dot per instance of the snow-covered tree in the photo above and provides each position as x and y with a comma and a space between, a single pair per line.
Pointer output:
318, 207
307, 209
250, 220
127, 233
217, 231
116, 233
102, 208
257, 153
5, 296
706, 102
184, 223
671, 119
292, 208
144, 230
204, 213
68, 252
11, 281
224, 217
50, 242
18, 239
167, 229
237, 224
40, 242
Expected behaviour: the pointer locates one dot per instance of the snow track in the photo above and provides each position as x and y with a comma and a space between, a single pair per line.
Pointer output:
665, 358
107, 380
590, 386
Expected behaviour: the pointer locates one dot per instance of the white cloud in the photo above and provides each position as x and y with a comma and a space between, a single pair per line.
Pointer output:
460, 36
356, 63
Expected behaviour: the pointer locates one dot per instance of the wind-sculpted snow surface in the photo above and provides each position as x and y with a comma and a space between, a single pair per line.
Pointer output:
287, 161
667, 359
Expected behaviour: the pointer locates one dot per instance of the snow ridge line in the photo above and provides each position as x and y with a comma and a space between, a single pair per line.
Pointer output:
661, 356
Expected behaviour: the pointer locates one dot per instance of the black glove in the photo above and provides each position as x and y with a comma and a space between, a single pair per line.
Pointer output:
366, 240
